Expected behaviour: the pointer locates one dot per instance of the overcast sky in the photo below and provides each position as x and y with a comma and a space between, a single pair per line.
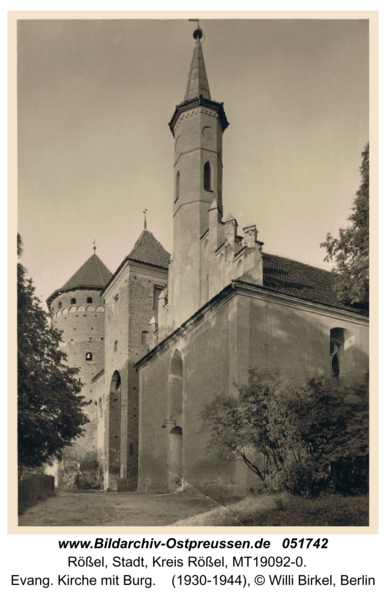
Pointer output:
95, 149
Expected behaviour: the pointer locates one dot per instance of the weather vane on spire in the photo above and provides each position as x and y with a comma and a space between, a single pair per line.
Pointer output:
197, 33
94, 246
145, 224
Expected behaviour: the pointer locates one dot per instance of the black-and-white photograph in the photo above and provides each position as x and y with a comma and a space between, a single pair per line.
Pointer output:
193, 275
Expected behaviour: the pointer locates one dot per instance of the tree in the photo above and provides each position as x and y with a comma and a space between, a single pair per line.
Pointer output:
350, 250
292, 435
50, 407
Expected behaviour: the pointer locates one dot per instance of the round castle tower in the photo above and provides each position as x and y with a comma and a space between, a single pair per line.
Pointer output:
78, 310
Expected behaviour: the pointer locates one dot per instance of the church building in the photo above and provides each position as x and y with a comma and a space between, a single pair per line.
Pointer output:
180, 329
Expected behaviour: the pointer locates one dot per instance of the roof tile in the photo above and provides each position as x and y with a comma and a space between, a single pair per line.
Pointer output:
298, 279
149, 250
93, 273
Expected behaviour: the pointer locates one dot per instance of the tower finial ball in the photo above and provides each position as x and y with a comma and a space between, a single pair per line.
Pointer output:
197, 34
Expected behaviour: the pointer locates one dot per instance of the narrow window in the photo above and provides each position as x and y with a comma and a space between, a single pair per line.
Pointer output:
145, 338
177, 186
115, 346
116, 300
60, 305
334, 357
156, 292
207, 177
73, 300
89, 300
88, 356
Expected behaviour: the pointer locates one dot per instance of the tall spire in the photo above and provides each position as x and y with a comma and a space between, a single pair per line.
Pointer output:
197, 80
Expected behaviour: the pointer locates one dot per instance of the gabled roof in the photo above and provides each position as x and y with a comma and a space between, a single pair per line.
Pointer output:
300, 280
149, 250
93, 273
197, 84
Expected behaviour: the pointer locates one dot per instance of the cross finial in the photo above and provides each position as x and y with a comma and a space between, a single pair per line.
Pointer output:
144, 224
94, 246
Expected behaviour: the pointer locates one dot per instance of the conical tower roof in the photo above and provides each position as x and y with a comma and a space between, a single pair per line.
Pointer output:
93, 273
197, 84
197, 91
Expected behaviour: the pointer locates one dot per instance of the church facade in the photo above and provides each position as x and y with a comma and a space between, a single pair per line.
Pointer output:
180, 329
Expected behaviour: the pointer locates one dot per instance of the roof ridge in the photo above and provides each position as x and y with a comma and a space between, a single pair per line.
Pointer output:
298, 261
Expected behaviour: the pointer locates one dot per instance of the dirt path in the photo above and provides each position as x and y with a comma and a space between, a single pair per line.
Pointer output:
113, 509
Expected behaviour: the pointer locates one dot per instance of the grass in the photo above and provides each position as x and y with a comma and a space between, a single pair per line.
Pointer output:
288, 511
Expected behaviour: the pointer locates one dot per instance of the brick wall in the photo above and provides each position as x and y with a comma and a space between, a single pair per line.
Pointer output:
83, 329
129, 308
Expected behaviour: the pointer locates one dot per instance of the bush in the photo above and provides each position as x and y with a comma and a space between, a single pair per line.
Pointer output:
305, 438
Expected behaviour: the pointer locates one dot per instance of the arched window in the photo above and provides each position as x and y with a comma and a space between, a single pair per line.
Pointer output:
337, 344
175, 456
175, 386
89, 300
88, 356
145, 338
334, 357
177, 186
73, 301
207, 177
60, 305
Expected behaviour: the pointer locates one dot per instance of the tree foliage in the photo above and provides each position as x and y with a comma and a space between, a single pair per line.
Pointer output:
350, 250
50, 407
291, 435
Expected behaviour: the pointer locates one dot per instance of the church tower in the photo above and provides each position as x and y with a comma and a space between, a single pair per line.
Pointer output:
197, 125
78, 310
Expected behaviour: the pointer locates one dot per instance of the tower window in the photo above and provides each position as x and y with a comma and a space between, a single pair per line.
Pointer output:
177, 186
156, 292
145, 338
73, 301
60, 305
89, 300
207, 177
115, 307
88, 356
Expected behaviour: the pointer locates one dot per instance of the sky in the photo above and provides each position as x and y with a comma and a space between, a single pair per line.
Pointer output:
94, 148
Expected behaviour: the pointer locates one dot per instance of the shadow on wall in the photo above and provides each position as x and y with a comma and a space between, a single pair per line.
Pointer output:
33, 489
214, 357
